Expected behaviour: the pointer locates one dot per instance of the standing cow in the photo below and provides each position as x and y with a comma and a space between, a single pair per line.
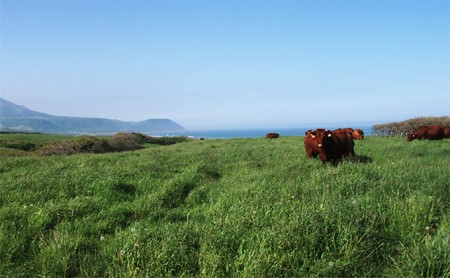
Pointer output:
430, 132
310, 142
331, 145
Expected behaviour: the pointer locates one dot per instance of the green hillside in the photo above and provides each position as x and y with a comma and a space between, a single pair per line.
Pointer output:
18, 118
236, 207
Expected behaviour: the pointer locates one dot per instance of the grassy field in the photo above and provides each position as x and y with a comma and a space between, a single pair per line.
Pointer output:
235, 207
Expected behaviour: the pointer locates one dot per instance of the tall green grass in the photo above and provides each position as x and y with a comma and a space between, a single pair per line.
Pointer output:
236, 207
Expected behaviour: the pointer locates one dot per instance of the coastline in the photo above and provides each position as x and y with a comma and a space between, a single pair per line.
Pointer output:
245, 132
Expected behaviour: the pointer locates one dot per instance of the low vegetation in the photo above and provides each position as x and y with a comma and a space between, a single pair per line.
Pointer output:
235, 207
16, 144
406, 127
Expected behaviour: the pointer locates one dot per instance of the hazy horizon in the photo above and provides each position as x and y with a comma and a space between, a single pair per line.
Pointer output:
214, 128
228, 64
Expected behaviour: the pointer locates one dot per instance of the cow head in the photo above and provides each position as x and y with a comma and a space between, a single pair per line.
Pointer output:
410, 137
323, 136
358, 134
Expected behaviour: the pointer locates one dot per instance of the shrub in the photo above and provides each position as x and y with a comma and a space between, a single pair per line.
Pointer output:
127, 141
406, 127
118, 143
78, 145
134, 141
24, 146
166, 140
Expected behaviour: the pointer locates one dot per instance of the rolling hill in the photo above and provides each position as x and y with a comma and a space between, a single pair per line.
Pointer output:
15, 117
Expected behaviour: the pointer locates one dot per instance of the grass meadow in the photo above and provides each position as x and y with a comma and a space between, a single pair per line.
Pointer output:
234, 207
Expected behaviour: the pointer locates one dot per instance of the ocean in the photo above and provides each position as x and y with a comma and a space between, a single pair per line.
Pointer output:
245, 133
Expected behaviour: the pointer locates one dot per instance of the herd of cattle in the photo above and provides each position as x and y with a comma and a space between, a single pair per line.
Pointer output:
334, 145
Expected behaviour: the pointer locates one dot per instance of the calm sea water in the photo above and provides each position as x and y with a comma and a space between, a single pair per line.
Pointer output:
245, 133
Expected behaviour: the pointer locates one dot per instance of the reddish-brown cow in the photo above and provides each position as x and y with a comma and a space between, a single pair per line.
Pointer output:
310, 142
447, 132
357, 134
272, 135
333, 145
347, 129
347, 142
430, 132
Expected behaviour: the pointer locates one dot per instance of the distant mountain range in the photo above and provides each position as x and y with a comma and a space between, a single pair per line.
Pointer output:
15, 117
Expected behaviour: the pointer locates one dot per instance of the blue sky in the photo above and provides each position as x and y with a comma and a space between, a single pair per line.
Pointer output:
229, 64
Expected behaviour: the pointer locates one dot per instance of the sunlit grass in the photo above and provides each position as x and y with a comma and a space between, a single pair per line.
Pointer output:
246, 207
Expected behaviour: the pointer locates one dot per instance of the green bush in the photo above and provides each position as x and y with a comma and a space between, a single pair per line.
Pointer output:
166, 140
117, 143
127, 141
78, 145
135, 141
24, 146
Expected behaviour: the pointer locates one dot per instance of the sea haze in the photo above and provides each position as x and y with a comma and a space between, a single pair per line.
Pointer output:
246, 133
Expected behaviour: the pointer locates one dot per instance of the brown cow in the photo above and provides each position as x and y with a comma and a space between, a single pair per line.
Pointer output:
310, 142
357, 134
447, 132
430, 132
272, 135
348, 143
333, 145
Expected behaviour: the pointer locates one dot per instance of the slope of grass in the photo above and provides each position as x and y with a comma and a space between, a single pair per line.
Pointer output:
247, 207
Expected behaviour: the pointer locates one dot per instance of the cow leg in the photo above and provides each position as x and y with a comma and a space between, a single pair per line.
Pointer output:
352, 153
323, 158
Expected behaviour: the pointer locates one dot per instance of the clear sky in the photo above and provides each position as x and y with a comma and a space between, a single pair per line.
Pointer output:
228, 64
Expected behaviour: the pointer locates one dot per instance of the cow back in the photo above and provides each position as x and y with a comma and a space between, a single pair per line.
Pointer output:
432, 132
272, 135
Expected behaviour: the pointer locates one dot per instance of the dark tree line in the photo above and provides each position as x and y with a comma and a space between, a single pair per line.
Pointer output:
406, 127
